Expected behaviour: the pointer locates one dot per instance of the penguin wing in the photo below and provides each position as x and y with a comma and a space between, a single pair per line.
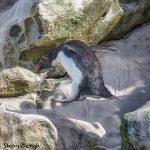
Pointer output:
102, 48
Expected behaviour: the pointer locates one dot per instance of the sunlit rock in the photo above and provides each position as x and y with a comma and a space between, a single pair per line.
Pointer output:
19, 131
17, 81
135, 129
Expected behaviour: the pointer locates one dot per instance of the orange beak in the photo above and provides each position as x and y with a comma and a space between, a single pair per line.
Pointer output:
36, 69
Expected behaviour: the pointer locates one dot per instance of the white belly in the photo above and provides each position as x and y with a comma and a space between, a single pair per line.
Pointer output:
70, 67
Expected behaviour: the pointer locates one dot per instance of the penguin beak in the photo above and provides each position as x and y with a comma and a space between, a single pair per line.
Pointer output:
36, 69
44, 65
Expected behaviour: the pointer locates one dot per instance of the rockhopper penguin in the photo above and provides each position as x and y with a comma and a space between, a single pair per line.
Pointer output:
82, 65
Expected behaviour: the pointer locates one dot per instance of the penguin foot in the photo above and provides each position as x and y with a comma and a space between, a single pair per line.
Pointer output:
65, 100
69, 100
76, 99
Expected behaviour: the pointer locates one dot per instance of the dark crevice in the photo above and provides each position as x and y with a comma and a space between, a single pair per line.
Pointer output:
128, 1
22, 39
15, 31
104, 14
34, 54
28, 24
0, 65
39, 23
34, 28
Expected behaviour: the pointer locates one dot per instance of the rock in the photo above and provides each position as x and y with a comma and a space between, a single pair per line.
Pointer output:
76, 134
74, 19
18, 103
135, 129
31, 27
135, 13
17, 81
56, 72
19, 131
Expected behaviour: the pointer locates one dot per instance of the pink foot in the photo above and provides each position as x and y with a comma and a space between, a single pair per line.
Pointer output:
69, 100
65, 100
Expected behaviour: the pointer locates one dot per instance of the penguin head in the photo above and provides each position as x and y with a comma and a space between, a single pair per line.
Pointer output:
47, 61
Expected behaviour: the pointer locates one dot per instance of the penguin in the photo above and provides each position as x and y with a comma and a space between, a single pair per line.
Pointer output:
83, 67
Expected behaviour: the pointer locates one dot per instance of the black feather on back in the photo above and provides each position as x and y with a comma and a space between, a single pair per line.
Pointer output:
89, 65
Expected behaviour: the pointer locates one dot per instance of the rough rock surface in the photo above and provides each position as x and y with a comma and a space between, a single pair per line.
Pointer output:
19, 131
31, 27
135, 13
17, 81
56, 72
76, 134
135, 129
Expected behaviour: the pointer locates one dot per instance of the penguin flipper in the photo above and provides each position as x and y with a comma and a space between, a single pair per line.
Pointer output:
102, 49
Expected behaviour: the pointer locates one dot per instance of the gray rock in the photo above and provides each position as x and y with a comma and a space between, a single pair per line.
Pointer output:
135, 13
17, 81
56, 72
19, 131
76, 134
135, 129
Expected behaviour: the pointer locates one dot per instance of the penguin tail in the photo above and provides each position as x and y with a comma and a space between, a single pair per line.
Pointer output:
107, 94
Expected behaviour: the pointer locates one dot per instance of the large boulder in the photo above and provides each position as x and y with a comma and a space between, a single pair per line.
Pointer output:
17, 81
135, 129
135, 13
18, 131
75, 134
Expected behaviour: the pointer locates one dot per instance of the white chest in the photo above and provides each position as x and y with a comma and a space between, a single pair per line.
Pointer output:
70, 66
